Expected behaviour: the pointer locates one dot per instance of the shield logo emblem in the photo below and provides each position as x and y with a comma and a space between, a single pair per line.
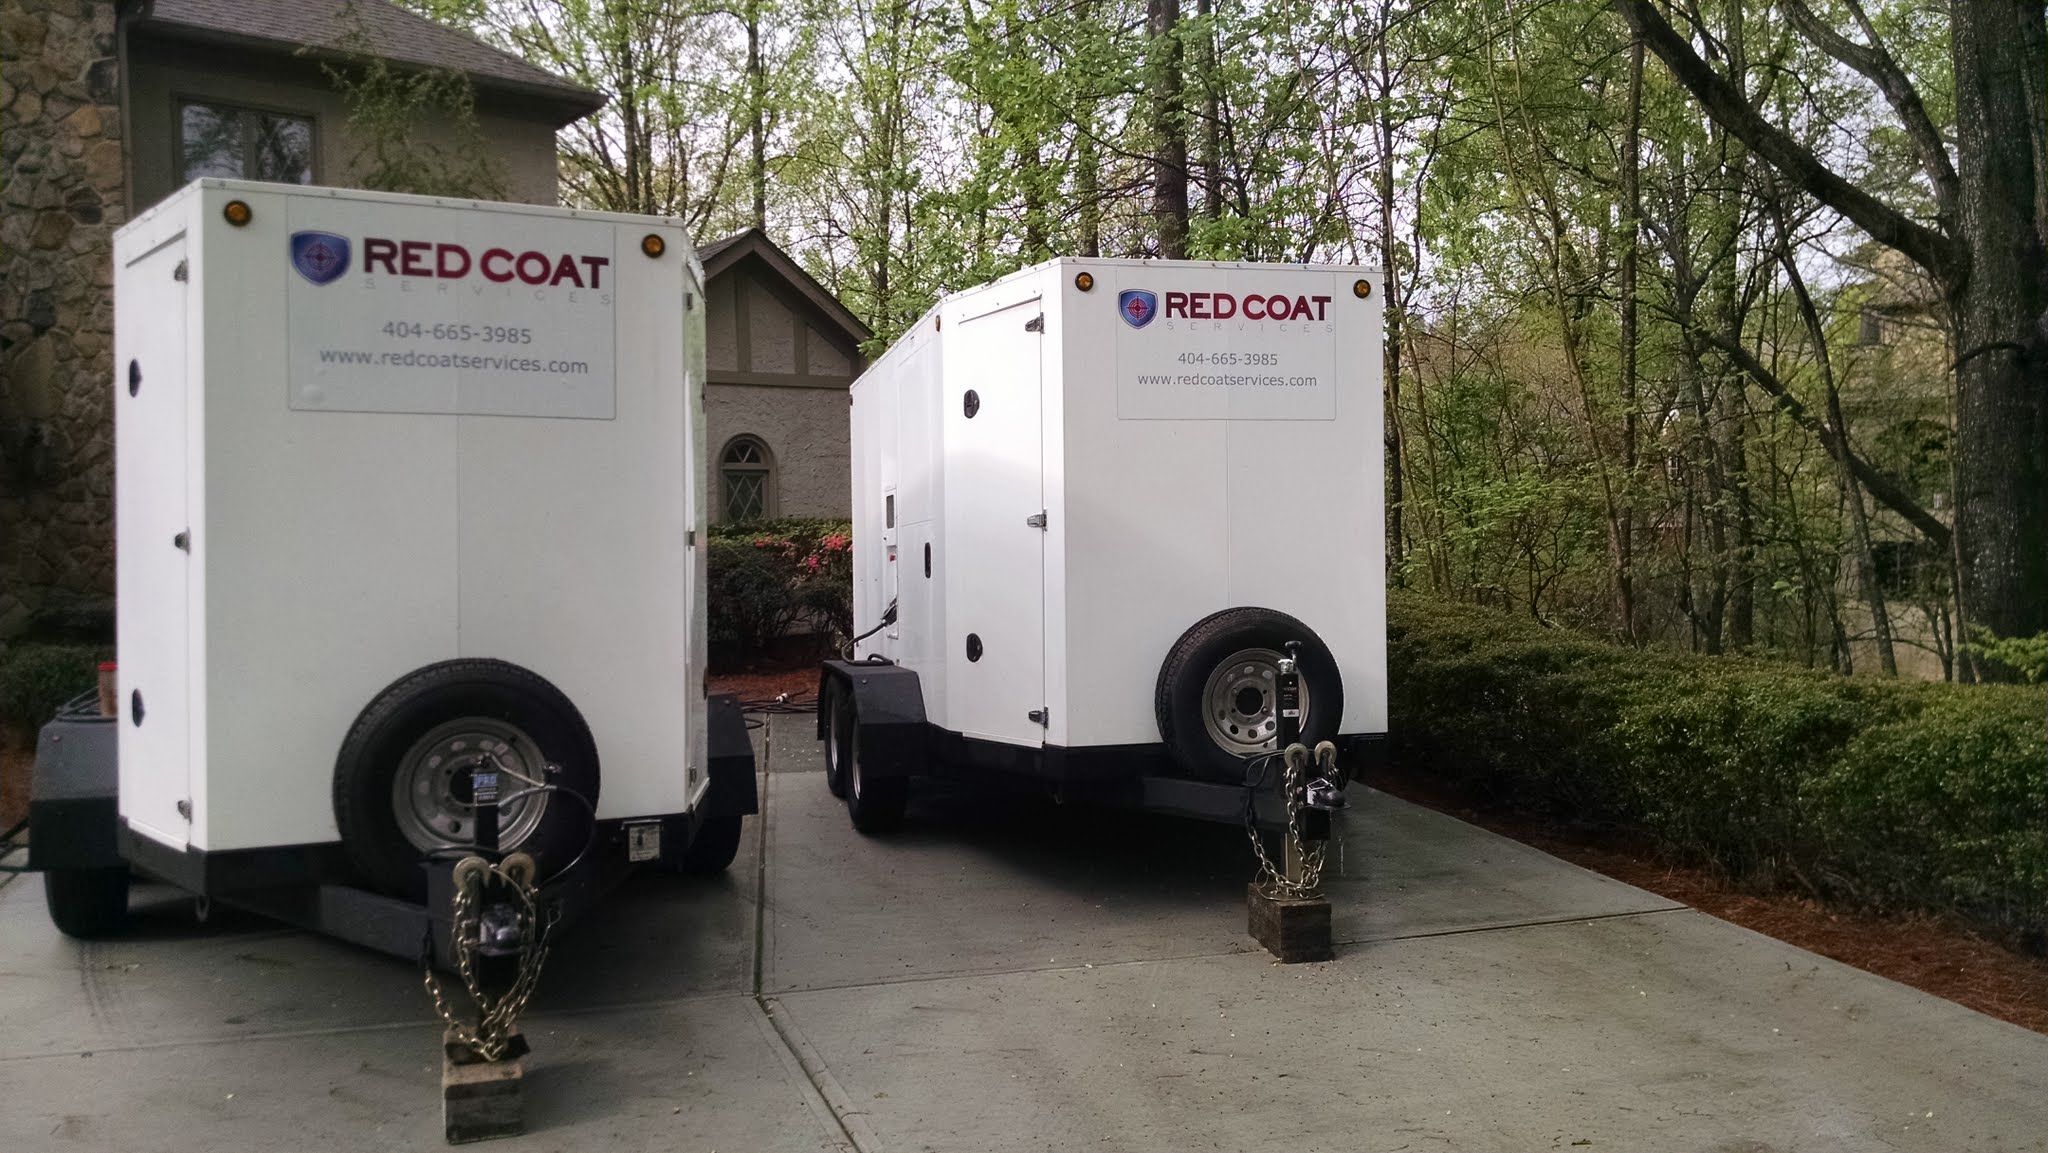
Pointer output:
1137, 307
321, 257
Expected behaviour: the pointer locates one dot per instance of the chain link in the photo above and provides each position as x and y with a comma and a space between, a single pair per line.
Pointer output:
1272, 880
496, 1016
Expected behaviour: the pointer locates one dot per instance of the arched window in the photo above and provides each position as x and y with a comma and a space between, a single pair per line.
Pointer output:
746, 473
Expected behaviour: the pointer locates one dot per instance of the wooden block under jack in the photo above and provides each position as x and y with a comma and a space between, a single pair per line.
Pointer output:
480, 1099
1291, 928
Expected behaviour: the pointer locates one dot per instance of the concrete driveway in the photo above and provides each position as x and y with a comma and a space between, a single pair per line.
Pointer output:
1005, 976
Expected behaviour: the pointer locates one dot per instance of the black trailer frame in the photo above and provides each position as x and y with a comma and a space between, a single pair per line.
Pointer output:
74, 823
896, 741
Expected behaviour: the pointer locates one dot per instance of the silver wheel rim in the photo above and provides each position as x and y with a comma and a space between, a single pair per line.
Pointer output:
833, 724
1240, 702
853, 757
430, 791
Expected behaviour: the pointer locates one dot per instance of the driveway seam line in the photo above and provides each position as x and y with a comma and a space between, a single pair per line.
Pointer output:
791, 1048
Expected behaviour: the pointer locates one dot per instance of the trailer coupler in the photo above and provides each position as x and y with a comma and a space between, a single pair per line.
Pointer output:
1285, 906
498, 933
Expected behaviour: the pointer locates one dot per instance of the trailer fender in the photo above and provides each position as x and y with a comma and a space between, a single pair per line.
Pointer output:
73, 809
888, 706
732, 792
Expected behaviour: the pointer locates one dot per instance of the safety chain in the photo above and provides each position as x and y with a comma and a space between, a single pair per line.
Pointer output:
1273, 880
496, 1016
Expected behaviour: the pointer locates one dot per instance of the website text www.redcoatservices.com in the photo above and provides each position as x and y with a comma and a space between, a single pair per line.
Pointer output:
454, 360
1226, 380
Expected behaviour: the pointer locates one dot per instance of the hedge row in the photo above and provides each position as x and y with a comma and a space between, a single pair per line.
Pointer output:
769, 578
36, 677
1889, 795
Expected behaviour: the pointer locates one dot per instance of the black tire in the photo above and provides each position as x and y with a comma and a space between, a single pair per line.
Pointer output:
712, 851
875, 804
87, 903
838, 736
1200, 652
417, 704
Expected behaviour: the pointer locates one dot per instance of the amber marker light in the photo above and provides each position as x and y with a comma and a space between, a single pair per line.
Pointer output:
237, 213
653, 245
1361, 288
1084, 281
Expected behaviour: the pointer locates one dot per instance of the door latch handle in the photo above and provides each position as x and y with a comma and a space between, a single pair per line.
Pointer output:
1041, 717
1036, 520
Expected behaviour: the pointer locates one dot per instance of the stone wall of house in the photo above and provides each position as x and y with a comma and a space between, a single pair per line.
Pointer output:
63, 197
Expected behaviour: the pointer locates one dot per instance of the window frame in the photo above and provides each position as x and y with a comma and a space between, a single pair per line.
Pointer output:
182, 100
765, 469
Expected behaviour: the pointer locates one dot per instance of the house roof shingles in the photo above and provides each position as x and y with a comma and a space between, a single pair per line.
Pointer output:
386, 30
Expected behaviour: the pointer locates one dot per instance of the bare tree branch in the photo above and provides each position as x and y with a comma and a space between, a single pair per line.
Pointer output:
1877, 66
1925, 246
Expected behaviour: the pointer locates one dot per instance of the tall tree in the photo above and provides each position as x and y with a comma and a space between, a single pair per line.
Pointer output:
1986, 251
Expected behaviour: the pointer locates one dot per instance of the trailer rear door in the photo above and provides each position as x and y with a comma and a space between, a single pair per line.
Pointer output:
152, 567
995, 462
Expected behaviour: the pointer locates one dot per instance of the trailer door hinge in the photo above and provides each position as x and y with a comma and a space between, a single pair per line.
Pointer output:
1036, 520
1041, 717
1035, 324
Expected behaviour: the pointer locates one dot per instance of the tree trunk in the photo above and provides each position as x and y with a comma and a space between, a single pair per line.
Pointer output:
757, 109
1212, 118
1622, 525
1169, 128
1395, 300
2002, 349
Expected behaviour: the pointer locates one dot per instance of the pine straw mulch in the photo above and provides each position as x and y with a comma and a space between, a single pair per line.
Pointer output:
1929, 954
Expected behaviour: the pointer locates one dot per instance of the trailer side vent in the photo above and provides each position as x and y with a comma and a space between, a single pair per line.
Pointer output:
973, 646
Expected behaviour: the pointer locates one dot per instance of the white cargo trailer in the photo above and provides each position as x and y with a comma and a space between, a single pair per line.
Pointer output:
406, 489
1093, 502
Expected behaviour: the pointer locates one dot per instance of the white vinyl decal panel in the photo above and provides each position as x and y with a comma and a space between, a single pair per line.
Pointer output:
994, 476
152, 567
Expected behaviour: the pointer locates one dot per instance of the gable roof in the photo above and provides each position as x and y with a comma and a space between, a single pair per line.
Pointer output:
387, 30
719, 256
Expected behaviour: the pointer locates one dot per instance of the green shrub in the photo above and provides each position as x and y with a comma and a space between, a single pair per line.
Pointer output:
768, 577
1891, 795
37, 678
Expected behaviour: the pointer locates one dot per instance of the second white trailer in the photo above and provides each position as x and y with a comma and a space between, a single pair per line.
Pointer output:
1094, 501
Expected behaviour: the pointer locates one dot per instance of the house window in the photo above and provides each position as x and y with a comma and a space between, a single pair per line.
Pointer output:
244, 144
747, 474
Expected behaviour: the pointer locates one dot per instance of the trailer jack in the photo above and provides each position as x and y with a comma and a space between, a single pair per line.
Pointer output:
498, 936
1285, 906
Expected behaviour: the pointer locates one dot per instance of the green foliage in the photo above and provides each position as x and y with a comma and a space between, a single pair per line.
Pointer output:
1887, 795
395, 114
2025, 656
36, 678
767, 577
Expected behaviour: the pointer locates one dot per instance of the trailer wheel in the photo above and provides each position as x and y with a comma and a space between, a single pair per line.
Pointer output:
401, 781
1215, 700
838, 736
712, 851
87, 903
876, 804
